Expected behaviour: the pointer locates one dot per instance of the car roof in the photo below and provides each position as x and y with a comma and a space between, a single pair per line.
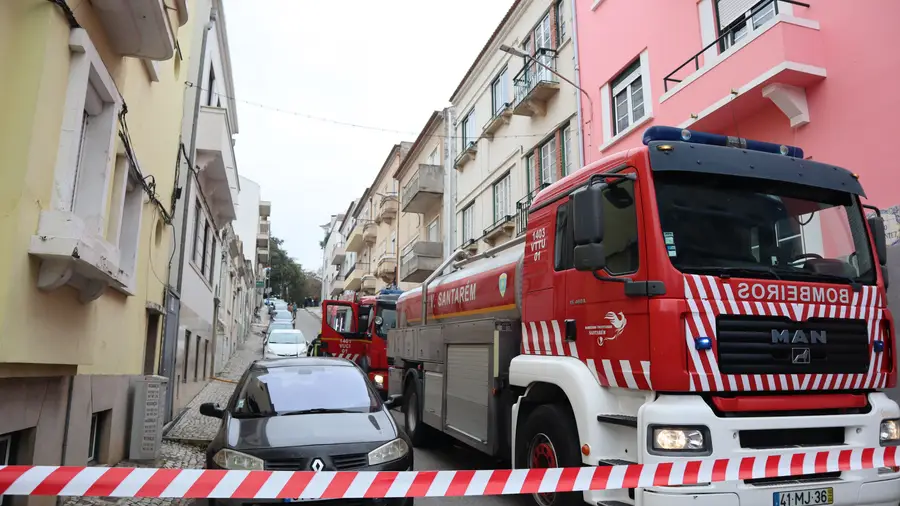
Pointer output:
289, 362
287, 331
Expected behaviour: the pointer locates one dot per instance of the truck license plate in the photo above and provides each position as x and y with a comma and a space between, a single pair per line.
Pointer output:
810, 497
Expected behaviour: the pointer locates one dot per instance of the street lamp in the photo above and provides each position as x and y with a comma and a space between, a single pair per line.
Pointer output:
515, 52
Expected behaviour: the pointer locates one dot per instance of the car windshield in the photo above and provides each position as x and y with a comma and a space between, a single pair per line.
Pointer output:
759, 228
286, 338
303, 389
388, 320
282, 325
283, 315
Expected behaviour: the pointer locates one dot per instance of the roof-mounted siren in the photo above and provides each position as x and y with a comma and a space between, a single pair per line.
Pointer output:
664, 133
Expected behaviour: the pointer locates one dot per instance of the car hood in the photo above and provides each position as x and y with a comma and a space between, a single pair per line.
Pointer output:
287, 349
313, 429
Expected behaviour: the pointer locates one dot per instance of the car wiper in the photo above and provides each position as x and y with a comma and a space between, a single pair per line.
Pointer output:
252, 415
727, 272
314, 411
821, 276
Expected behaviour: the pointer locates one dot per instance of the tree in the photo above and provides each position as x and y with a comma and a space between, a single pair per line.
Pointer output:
287, 277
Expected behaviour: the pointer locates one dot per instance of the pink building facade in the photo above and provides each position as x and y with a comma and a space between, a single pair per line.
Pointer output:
820, 77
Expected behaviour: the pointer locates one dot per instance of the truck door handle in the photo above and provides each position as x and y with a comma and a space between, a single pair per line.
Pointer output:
571, 330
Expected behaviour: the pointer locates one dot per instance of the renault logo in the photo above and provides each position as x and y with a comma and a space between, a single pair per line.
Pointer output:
317, 465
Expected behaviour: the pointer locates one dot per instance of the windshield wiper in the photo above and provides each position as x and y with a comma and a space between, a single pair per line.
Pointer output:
314, 411
821, 276
727, 272
252, 415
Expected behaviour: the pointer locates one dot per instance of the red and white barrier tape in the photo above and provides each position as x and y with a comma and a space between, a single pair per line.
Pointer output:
199, 483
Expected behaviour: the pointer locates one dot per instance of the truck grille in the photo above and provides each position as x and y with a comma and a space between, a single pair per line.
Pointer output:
745, 345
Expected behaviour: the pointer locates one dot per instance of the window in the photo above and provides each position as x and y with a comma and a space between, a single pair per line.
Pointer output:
212, 260
286, 337
502, 198
468, 130
468, 223
273, 391
94, 441
211, 88
124, 224
627, 97
205, 358
197, 359
434, 230
567, 149
561, 21
197, 254
548, 161
529, 170
499, 93
620, 240
435, 157
83, 170
738, 18
187, 353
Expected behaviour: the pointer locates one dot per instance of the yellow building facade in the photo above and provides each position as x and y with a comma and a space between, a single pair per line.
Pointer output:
92, 97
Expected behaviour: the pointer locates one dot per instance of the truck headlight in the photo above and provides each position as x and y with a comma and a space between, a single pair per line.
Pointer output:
889, 435
230, 459
386, 453
379, 380
694, 440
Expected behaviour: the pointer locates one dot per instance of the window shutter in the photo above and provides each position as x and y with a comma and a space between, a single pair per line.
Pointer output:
730, 10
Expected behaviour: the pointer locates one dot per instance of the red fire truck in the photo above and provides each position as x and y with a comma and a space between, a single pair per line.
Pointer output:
700, 296
358, 330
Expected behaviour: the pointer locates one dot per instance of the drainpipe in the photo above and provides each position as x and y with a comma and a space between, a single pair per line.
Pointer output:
192, 153
450, 184
574, 10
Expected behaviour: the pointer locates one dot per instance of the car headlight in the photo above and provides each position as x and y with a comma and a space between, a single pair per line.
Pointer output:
889, 435
679, 440
230, 459
386, 453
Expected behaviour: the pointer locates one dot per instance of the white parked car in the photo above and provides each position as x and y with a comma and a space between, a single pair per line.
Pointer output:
284, 343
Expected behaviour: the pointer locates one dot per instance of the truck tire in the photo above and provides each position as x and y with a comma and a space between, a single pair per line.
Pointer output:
549, 438
412, 415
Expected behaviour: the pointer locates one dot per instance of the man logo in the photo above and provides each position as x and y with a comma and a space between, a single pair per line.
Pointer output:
799, 337
317, 465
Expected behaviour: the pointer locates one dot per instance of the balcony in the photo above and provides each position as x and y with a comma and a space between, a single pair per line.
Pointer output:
467, 154
338, 255
370, 232
353, 278
262, 254
777, 57
501, 118
265, 208
386, 269
387, 208
368, 284
535, 85
522, 207
355, 239
337, 286
137, 28
424, 190
419, 260
215, 157
500, 230
235, 247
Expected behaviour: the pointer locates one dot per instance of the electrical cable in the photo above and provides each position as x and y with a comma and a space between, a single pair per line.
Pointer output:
148, 187
323, 119
67, 12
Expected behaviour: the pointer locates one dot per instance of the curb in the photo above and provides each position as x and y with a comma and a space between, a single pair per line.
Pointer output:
315, 315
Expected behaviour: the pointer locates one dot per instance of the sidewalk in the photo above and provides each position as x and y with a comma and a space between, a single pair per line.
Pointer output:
184, 447
315, 311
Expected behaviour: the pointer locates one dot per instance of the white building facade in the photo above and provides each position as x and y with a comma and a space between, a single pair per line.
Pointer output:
514, 124
253, 230
333, 255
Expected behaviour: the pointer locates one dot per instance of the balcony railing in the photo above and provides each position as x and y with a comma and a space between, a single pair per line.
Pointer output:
535, 83
522, 207
719, 42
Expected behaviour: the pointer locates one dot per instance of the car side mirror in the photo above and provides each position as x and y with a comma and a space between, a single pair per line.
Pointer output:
587, 221
876, 225
394, 401
211, 409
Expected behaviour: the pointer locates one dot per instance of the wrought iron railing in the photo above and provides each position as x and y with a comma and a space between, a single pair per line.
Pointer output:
500, 220
522, 207
533, 74
757, 8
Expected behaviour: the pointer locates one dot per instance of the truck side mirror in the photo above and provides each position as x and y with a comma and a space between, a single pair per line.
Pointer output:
876, 225
587, 221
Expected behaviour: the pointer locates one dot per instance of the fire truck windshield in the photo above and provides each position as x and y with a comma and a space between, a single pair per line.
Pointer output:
761, 228
388, 320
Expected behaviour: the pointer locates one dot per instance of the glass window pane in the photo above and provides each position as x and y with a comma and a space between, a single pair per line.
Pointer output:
273, 391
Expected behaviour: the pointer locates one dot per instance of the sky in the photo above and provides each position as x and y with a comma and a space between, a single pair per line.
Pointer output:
387, 64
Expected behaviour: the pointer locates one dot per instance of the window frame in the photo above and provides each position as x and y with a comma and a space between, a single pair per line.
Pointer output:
501, 82
467, 229
467, 127
437, 227
624, 82
93, 457
505, 179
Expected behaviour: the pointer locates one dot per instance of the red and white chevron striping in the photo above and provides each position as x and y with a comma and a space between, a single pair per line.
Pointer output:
709, 296
198, 483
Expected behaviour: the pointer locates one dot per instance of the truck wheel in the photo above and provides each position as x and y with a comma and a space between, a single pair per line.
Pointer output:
412, 415
547, 439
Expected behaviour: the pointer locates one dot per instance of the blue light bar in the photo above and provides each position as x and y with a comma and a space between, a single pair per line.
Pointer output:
878, 346
664, 133
703, 343
388, 291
